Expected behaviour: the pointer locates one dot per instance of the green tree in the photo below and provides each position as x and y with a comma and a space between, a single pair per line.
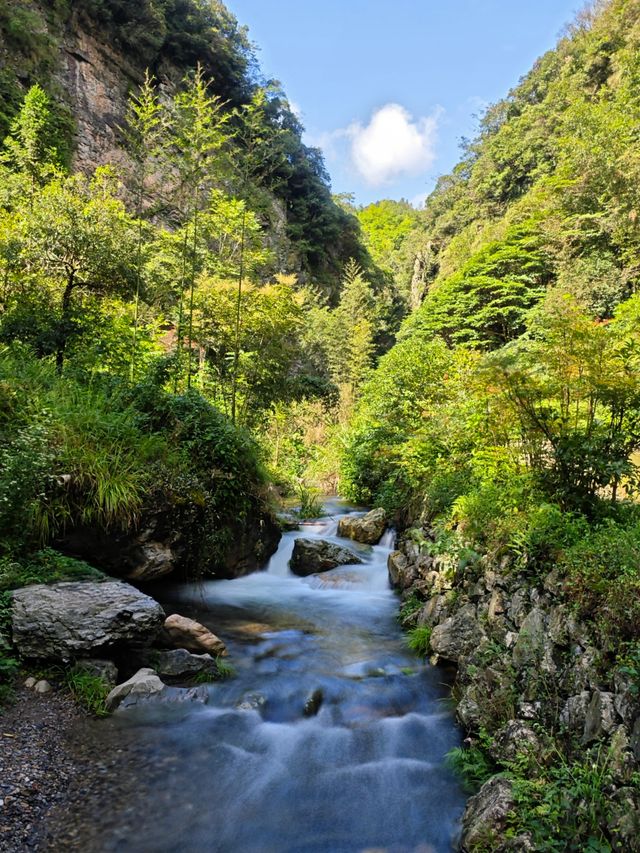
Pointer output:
79, 236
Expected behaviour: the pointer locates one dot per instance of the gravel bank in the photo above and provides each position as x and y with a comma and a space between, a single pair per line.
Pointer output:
36, 765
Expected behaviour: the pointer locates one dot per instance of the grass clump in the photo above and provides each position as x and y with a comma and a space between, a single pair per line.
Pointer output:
88, 690
419, 640
310, 503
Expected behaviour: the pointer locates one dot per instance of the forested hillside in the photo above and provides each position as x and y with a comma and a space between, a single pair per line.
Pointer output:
504, 426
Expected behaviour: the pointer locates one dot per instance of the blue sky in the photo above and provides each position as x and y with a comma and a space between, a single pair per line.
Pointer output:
388, 87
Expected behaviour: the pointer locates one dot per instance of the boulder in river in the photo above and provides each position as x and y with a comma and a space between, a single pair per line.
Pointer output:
317, 555
65, 620
143, 684
364, 528
188, 634
179, 663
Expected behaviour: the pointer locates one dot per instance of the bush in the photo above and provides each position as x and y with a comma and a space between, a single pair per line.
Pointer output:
602, 577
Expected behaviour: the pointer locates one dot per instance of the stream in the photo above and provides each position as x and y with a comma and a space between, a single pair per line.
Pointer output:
330, 738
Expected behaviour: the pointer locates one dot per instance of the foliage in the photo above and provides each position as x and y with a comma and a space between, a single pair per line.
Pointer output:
419, 640
310, 503
472, 764
602, 576
565, 806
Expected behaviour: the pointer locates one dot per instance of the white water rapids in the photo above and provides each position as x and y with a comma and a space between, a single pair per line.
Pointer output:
251, 772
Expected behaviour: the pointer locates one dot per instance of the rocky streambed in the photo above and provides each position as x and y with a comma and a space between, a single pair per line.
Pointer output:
331, 736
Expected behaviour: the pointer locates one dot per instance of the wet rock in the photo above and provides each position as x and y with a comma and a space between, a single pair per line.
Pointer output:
401, 573
313, 703
367, 528
317, 555
188, 634
64, 620
486, 814
574, 712
103, 669
179, 663
143, 684
252, 702
601, 716
513, 739
169, 696
42, 686
459, 634
288, 521
530, 646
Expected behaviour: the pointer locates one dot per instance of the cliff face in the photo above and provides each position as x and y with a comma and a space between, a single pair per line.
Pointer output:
97, 80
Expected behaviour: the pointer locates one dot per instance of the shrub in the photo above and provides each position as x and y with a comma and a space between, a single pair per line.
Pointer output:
565, 806
602, 577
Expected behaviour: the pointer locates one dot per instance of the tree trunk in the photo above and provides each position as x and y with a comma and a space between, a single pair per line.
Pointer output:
64, 322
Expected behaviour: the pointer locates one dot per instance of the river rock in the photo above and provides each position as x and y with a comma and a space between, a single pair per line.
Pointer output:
401, 573
458, 635
317, 555
179, 663
486, 813
364, 528
143, 684
64, 620
188, 634
169, 696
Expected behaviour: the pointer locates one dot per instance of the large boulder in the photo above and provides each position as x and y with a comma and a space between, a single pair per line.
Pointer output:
188, 634
316, 555
73, 619
364, 528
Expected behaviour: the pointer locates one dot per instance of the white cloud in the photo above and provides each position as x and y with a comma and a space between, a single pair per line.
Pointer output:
394, 143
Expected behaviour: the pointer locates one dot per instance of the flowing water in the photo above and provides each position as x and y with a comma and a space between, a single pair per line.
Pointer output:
330, 738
